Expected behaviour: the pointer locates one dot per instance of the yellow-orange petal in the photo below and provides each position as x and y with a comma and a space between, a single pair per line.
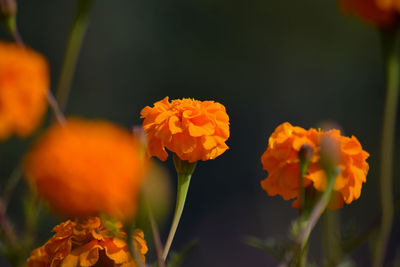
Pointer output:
24, 81
118, 255
281, 161
192, 129
372, 11
85, 168
88, 251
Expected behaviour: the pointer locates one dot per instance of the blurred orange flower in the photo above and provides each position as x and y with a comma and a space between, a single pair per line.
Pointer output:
24, 81
194, 130
87, 242
282, 163
383, 13
87, 167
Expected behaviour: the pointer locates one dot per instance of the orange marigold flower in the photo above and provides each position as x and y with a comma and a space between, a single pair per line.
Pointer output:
87, 242
24, 81
194, 130
87, 167
383, 13
282, 163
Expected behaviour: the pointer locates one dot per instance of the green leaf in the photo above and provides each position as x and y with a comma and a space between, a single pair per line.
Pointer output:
176, 259
277, 248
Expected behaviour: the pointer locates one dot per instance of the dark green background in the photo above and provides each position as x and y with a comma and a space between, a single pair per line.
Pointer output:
266, 61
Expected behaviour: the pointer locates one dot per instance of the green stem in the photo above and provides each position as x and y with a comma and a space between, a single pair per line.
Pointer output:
302, 253
58, 114
156, 236
129, 228
332, 253
320, 206
317, 211
10, 23
6, 226
303, 171
74, 44
183, 186
390, 41
11, 184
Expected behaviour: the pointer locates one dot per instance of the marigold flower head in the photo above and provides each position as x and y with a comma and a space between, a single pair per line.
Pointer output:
24, 81
84, 168
194, 130
383, 13
87, 242
282, 163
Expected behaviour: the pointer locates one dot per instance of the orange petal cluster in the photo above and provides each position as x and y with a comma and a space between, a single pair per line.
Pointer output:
87, 242
194, 130
24, 81
84, 168
383, 13
282, 163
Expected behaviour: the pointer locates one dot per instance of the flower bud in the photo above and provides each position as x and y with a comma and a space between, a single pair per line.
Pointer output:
306, 153
329, 153
8, 8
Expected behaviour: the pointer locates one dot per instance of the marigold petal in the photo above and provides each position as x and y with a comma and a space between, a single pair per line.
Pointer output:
285, 178
281, 156
24, 81
205, 129
183, 143
209, 142
336, 201
118, 255
192, 129
215, 152
88, 250
83, 155
372, 11
175, 125
70, 261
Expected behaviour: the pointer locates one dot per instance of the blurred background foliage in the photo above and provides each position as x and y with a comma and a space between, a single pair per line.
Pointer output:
266, 61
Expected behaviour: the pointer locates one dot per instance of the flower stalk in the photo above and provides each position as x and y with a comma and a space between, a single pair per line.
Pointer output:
58, 114
306, 153
185, 171
156, 236
390, 41
78, 31
8, 17
331, 247
329, 158
11, 27
303, 237
129, 227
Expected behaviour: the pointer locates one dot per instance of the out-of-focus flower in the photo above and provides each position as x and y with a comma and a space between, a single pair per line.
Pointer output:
84, 168
194, 130
8, 8
282, 163
87, 242
24, 81
383, 13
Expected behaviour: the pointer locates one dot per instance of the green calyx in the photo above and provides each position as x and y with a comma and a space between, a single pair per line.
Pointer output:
183, 167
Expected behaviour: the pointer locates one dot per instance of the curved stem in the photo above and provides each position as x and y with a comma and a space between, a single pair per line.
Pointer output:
11, 183
55, 107
10, 24
6, 225
183, 186
74, 44
13, 30
390, 42
331, 247
156, 236
129, 228
317, 211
